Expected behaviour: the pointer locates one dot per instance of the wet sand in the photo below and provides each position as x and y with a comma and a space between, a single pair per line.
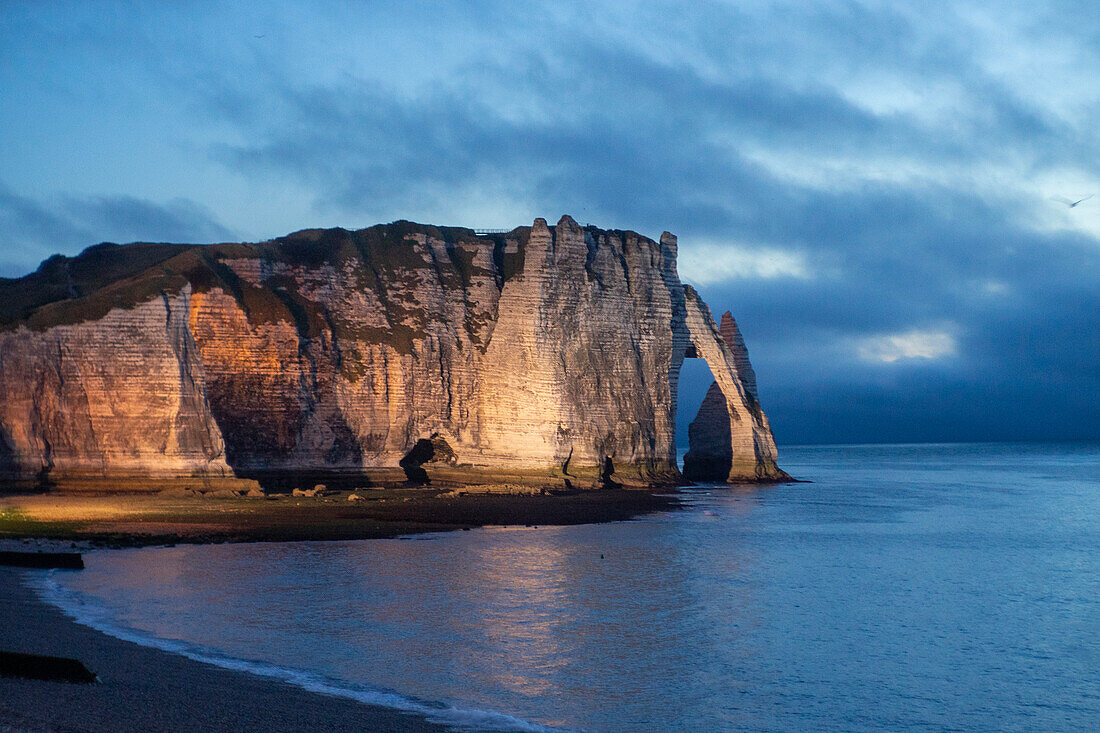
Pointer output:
146, 689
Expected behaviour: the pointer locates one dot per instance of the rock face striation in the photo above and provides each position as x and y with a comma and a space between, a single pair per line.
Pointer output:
543, 352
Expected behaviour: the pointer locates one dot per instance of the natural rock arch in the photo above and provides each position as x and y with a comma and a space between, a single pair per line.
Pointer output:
730, 438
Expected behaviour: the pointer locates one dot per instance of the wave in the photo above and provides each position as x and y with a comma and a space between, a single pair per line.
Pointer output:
87, 613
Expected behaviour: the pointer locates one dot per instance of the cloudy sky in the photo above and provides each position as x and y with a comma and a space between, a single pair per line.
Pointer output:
878, 190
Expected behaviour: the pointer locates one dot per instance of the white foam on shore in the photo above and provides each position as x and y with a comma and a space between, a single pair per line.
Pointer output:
74, 605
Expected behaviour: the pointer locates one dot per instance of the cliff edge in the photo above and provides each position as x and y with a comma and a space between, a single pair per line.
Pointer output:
541, 352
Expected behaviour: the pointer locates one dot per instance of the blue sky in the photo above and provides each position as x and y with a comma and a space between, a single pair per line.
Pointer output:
872, 187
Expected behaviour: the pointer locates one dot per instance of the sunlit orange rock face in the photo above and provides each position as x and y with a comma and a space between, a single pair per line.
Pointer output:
541, 351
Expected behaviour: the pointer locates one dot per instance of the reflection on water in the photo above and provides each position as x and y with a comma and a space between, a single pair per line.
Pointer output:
929, 586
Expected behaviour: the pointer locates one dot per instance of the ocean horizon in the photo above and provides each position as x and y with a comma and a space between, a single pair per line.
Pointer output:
923, 586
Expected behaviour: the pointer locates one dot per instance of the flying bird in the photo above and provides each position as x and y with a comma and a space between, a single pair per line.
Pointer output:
1069, 203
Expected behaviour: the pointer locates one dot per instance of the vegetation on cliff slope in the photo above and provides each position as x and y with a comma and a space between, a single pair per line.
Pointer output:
66, 290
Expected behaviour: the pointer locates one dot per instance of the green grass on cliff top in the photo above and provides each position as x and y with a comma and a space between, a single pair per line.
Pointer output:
66, 290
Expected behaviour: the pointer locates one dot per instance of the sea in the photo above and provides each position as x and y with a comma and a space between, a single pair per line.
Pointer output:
917, 587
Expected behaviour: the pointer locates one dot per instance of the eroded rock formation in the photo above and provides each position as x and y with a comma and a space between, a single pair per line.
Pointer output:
543, 352
730, 437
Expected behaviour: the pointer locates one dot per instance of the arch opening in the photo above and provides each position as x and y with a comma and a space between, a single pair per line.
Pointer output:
692, 387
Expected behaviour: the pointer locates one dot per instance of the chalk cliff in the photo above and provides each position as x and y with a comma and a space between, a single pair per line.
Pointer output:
538, 352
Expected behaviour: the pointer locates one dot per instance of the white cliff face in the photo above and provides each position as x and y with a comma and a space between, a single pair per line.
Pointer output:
543, 351
578, 365
124, 394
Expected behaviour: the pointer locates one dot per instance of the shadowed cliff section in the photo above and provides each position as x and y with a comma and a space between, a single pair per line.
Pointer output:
333, 352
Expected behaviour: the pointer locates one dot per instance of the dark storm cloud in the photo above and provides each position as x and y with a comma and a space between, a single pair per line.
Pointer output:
1021, 305
32, 231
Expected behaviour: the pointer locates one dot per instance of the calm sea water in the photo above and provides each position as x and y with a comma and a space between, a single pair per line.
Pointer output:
927, 587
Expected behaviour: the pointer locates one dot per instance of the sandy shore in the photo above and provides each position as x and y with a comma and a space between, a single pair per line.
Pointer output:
128, 519
150, 690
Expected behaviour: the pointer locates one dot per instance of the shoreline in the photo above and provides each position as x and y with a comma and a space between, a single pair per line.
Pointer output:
112, 520
144, 688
